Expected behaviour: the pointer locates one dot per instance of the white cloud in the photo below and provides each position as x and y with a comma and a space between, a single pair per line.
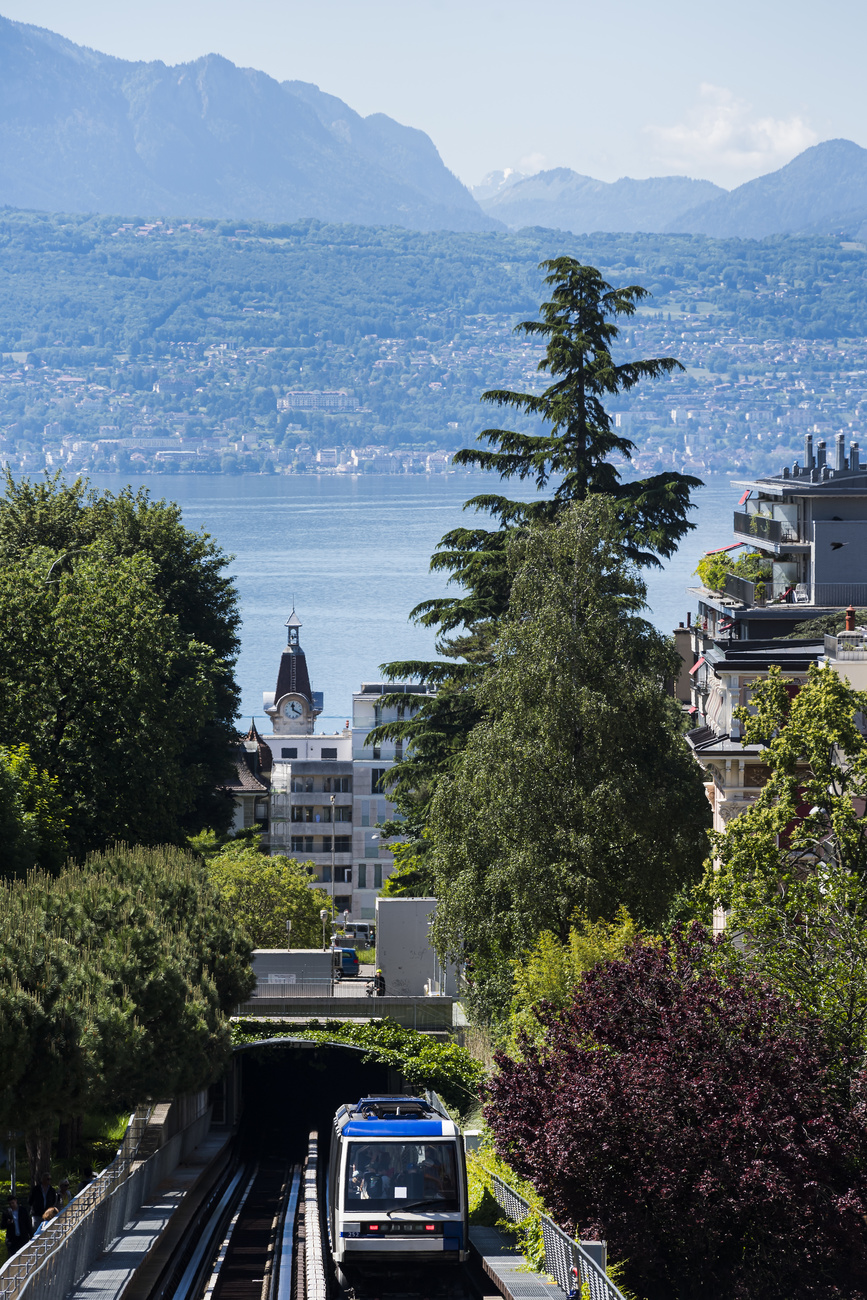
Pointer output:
532, 163
722, 139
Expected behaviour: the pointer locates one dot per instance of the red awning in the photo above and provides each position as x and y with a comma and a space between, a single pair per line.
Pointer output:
724, 627
719, 550
745, 495
697, 665
692, 708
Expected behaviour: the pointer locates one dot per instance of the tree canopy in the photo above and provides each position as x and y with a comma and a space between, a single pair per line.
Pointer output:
32, 816
571, 452
792, 869
575, 788
116, 981
121, 634
263, 893
696, 1123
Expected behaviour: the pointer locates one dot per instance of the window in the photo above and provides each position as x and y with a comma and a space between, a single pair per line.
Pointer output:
338, 785
326, 875
289, 753
261, 810
397, 1175
343, 844
377, 752
308, 785
343, 875
398, 751
329, 753
343, 814
297, 813
377, 875
343, 903
326, 844
362, 875
297, 785
302, 843
377, 779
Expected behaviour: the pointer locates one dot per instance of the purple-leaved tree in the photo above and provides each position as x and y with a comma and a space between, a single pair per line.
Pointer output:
698, 1121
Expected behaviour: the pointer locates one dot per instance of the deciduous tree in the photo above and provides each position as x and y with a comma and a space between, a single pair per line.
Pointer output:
792, 869
67, 521
696, 1123
32, 817
263, 893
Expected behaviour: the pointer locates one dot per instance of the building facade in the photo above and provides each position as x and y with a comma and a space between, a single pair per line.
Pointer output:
320, 797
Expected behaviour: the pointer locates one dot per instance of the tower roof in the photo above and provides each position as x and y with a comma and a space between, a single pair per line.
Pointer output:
293, 620
293, 678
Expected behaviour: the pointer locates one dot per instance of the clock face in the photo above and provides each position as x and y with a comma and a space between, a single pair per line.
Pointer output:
293, 709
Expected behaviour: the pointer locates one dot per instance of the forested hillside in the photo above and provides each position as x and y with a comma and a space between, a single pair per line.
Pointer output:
96, 312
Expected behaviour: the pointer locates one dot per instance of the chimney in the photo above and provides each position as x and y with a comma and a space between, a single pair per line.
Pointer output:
808, 451
840, 452
688, 619
850, 618
820, 453
854, 457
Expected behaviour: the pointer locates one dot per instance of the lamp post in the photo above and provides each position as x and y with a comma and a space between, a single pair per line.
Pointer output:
332, 855
323, 916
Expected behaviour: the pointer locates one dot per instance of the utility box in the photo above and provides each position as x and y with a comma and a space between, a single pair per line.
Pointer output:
404, 954
291, 965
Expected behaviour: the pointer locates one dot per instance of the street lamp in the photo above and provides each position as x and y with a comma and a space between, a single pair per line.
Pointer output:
332, 855
323, 916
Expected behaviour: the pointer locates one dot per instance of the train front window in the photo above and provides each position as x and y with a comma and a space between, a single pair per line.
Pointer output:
401, 1176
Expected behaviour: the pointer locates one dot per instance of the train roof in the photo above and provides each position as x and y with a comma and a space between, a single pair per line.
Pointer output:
395, 1116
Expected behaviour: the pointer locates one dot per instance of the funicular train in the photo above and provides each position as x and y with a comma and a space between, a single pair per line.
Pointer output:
397, 1187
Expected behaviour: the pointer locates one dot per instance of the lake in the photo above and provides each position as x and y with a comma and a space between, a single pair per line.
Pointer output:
352, 553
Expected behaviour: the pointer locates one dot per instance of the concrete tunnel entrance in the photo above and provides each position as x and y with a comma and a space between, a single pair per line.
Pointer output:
286, 1087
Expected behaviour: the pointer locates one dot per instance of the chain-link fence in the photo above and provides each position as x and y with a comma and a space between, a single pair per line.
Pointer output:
570, 1263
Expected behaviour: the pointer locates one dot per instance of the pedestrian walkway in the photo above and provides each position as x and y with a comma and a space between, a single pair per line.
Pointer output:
142, 1249
508, 1269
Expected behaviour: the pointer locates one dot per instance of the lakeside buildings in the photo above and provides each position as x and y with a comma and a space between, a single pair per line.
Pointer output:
320, 797
811, 522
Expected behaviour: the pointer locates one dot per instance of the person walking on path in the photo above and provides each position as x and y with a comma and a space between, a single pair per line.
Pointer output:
64, 1195
43, 1197
17, 1225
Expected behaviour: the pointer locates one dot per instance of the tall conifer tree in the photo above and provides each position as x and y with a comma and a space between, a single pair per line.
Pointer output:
573, 452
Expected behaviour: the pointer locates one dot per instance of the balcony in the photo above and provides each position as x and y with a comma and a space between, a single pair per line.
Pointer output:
760, 529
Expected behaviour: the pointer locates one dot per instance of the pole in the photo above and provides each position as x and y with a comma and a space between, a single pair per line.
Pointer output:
332, 856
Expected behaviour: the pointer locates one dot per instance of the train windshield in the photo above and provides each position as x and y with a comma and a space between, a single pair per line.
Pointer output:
401, 1176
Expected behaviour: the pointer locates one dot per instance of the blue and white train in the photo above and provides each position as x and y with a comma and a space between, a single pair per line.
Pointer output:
397, 1187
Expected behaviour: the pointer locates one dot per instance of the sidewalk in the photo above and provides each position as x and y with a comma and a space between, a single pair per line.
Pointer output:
142, 1249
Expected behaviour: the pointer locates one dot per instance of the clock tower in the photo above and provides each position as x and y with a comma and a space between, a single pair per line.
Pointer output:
295, 707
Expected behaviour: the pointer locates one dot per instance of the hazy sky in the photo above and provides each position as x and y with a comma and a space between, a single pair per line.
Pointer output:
724, 90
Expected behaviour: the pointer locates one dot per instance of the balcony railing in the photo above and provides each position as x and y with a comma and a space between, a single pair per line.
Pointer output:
818, 595
760, 528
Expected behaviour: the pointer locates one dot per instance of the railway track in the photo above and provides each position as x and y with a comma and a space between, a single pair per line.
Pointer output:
262, 1238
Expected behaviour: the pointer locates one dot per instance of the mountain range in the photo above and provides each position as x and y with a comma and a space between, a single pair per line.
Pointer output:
822, 191
82, 131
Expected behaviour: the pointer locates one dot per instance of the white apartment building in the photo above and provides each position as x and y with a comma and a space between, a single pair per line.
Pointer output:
319, 797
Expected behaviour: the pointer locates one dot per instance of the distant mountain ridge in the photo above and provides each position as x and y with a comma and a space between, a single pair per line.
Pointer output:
566, 200
825, 187
82, 131
821, 191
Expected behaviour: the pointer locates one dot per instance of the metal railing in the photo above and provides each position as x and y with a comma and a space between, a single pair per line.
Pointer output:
62, 1253
20, 1266
570, 1263
759, 527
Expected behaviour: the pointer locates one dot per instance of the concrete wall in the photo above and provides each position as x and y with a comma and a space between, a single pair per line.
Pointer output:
302, 963
403, 947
